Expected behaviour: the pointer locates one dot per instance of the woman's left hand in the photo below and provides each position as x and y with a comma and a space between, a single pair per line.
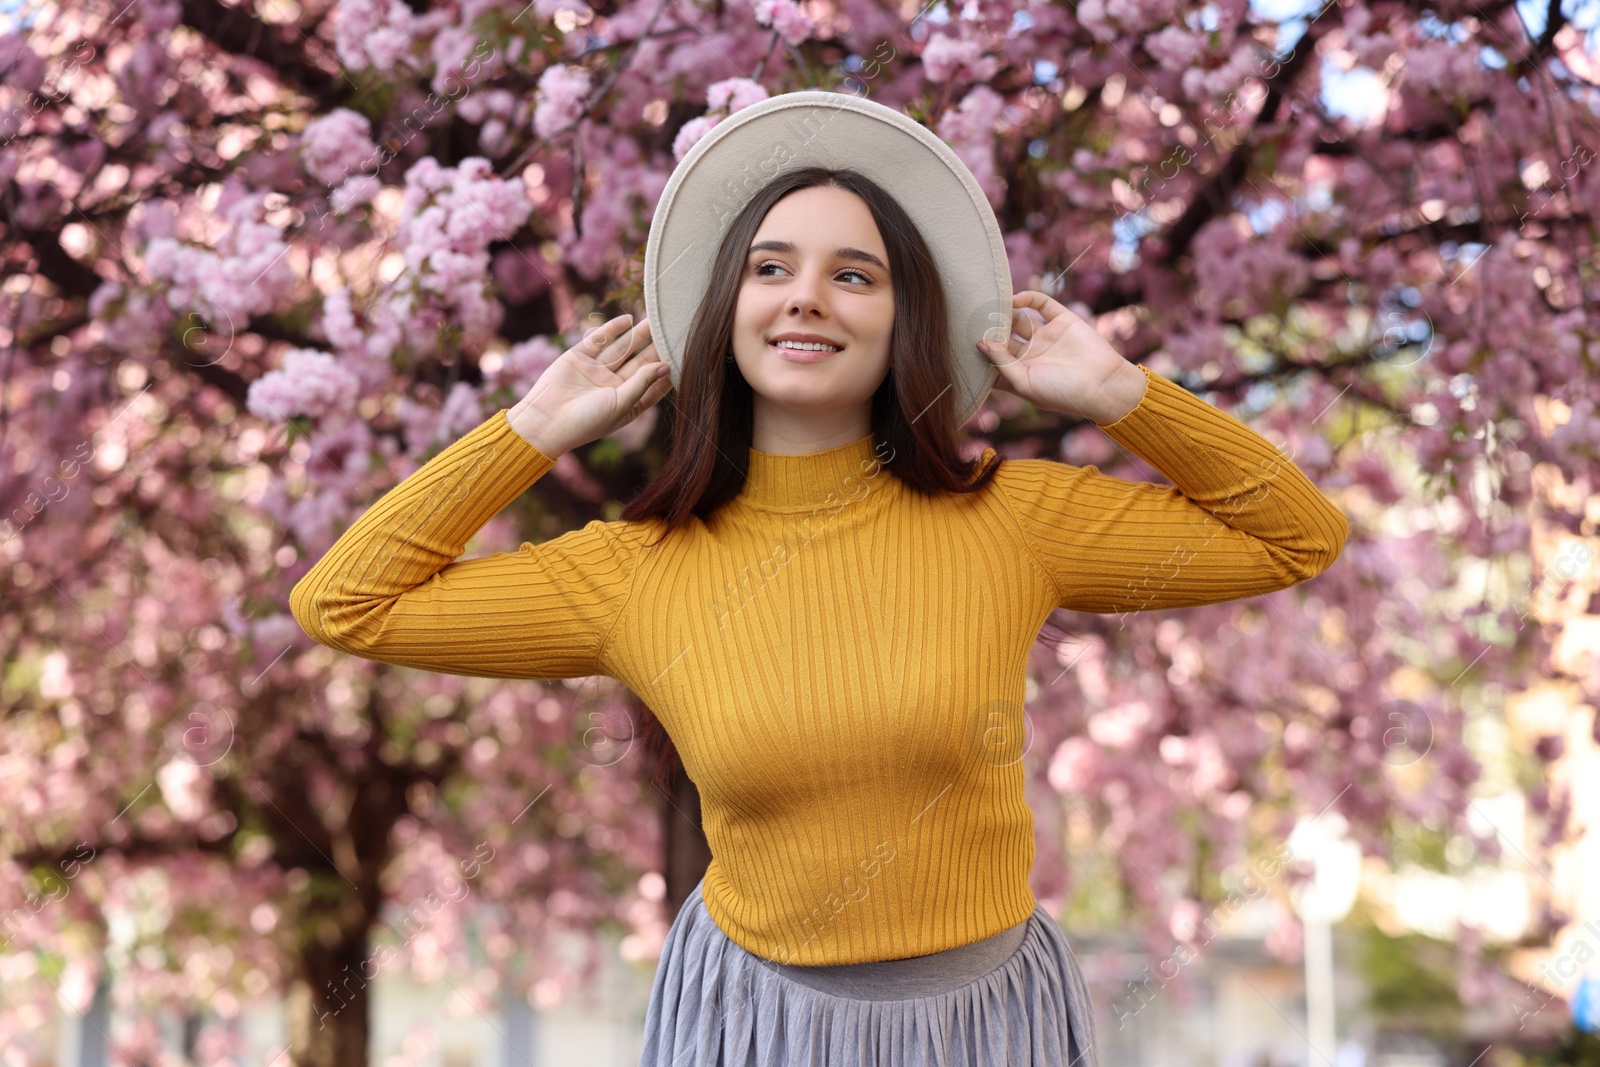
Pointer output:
1063, 364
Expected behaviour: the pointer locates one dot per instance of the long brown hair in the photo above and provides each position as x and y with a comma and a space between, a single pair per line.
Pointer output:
709, 417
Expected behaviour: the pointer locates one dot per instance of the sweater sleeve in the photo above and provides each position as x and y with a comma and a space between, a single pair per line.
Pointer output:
1239, 520
388, 589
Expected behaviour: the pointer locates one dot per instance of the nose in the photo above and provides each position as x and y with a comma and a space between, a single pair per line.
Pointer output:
805, 297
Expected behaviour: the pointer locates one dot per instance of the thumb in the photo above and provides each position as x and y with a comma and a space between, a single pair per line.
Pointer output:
1003, 361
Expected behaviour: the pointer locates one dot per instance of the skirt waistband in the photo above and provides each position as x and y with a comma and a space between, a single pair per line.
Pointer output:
914, 976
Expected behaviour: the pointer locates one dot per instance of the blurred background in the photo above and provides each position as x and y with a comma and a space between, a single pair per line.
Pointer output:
264, 258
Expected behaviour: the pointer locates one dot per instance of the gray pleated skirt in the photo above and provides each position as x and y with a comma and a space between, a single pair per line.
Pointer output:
1016, 999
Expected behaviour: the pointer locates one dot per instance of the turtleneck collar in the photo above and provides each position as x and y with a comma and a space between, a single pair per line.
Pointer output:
801, 482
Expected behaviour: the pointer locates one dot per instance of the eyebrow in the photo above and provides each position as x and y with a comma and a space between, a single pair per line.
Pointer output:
839, 253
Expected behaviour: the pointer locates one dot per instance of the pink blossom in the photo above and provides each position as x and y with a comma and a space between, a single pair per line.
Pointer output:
246, 273
142, 74
969, 130
462, 410
691, 132
562, 92
1200, 83
353, 193
524, 363
635, 185
310, 383
1242, 269
785, 17
157, 218
479, 106
1373, 52
159, 16
484, 208
273, 633
39, 203
734, 94
1442, 67
1122, 726
549, 9
1075, 767
129, 321
313, 517
83, 157
520, 274
945, 57
1138, 14
23, 68
419, 423
1176, 48
496, 110
1203, 343
448, 219
452, 52
1092, 16
369, 347
373, 33
337, 145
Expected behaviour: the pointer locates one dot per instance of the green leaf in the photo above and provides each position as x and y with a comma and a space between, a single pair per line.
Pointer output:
299, 426
604, 454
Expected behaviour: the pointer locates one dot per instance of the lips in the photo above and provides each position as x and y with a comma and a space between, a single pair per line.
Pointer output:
805, 338
795, 355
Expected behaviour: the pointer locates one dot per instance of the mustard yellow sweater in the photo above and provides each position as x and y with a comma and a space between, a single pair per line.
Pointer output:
839, 661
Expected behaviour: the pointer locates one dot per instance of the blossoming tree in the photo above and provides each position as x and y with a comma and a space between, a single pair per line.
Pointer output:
265, 260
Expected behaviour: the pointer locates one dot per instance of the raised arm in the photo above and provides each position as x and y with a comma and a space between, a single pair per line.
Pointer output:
388, 589
1239, 519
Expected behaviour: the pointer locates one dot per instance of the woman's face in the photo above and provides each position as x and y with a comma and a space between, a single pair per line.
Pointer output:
817, 266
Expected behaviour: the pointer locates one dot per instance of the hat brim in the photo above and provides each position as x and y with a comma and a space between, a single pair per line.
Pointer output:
739, 155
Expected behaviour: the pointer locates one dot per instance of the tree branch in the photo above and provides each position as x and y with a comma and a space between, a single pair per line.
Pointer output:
1216, 196
238, 33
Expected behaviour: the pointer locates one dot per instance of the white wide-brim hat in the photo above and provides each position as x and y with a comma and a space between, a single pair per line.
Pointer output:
744, 151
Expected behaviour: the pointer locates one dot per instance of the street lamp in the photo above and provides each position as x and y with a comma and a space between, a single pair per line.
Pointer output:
1320, 902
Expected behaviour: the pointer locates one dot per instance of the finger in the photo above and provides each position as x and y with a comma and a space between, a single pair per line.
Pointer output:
1027, 328
648, 384
1010, 352
659, 389
598, 342
629, 345
628, 363
1043, 303
1023, 325
1002, 356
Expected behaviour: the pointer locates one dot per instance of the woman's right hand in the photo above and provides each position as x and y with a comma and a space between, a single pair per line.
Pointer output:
593, 388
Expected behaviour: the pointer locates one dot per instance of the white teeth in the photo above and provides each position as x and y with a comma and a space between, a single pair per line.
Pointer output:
806, 346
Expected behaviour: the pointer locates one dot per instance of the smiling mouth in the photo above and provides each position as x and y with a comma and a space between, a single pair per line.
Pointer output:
803, 352
807, 346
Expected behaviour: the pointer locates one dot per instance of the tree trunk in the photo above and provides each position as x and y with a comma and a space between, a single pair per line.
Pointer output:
328, 1005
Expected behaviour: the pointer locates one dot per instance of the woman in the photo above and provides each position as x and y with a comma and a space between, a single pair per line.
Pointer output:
832, 621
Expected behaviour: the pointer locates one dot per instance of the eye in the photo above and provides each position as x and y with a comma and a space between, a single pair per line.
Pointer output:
865, 278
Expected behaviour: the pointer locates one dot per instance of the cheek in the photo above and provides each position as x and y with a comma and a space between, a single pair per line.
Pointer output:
751, 312
883, 317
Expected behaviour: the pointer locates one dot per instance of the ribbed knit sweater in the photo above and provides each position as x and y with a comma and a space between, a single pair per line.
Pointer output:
838, 659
